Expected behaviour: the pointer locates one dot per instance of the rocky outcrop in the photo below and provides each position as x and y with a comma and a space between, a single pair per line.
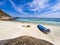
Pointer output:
4, 16
25, 40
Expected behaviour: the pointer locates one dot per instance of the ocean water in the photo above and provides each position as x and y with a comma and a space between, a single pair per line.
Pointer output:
52, 21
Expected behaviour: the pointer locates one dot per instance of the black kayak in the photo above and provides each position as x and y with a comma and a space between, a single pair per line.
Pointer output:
43, 29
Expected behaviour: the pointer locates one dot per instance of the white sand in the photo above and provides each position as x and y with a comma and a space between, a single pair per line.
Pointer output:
10, 30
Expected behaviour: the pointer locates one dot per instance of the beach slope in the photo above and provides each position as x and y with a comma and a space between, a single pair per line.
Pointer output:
9, 30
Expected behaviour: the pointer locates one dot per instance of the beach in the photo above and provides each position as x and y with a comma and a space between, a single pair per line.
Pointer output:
10, 29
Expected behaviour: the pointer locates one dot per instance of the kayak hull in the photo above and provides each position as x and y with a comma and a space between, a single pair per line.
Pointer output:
43, 29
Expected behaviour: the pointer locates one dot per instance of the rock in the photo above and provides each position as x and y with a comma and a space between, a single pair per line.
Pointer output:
25, 40
4, 16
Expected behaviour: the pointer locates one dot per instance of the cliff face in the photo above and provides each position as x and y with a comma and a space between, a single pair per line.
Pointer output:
4, 16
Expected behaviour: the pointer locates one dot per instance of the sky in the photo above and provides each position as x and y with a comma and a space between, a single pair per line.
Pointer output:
31, 8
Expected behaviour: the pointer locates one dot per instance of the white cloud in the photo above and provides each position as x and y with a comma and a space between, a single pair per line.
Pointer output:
34, 6
38, 5
51, 15
12, 3
56, 7
18, 8
53, 9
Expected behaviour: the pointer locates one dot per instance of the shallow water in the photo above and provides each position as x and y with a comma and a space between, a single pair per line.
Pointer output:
50, 21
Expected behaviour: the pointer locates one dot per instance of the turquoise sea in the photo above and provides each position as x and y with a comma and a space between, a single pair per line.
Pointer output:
52, 21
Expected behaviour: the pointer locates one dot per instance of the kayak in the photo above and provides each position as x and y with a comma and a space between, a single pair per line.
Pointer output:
43, 29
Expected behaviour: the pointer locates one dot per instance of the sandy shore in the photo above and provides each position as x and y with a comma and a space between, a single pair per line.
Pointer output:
10, 30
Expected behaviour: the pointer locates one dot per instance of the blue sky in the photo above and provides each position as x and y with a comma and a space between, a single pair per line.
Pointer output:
31, 8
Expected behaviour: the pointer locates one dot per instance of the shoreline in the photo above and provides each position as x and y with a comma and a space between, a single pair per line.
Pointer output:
9, 30
39, 23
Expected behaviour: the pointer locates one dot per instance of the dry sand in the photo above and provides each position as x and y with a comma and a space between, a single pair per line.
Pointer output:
10, 30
